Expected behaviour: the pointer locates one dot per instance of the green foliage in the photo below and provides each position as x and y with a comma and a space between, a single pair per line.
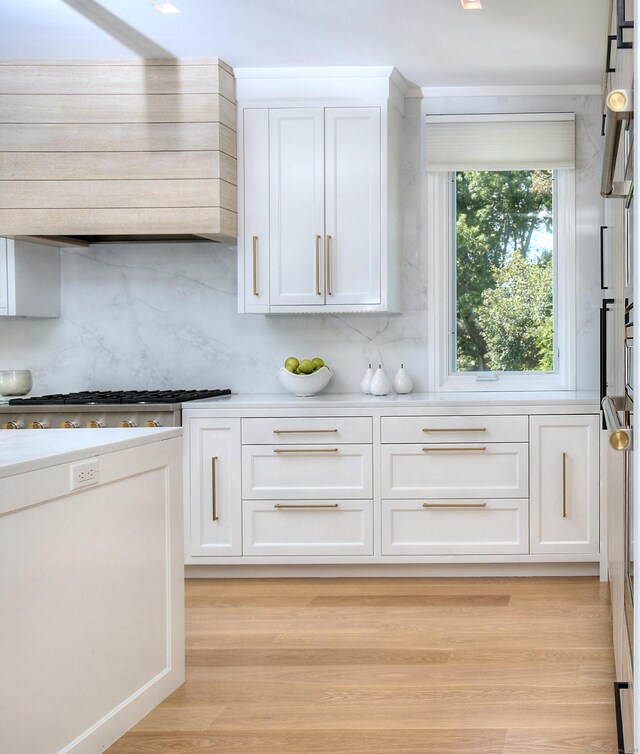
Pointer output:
516, 317
504, 282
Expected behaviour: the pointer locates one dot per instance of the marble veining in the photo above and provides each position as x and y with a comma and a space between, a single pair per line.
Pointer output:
165, 315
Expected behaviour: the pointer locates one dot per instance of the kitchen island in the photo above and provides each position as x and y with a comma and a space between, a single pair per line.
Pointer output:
91, 584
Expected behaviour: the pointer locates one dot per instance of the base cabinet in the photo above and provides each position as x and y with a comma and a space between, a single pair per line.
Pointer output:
310, 527
564, 461
454, 527
215, 520
313, 485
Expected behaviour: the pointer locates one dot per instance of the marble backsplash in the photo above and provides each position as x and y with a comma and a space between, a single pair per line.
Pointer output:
165, 315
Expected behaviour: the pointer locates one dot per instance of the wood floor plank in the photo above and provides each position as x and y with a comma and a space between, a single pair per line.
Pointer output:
389, 666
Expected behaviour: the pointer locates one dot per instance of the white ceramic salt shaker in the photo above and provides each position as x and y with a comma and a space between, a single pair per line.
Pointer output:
380, 384
402, 383
365, 382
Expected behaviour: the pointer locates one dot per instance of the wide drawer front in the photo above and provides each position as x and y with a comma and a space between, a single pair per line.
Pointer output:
450, 429
455, 527
315, 429
309, 527
273, 472
461, 471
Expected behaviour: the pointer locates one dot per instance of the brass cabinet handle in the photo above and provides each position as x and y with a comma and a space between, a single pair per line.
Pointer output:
214, 492
454, 505
305, 450
476, 449
318, 291
300, 431
455, 429
254, 253
564, 485
283, 506
327, 254
11, 425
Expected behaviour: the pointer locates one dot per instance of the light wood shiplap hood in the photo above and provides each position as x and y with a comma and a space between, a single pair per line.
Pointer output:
118, 150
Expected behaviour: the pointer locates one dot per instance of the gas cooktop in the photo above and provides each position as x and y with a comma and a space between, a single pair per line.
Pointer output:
118, 397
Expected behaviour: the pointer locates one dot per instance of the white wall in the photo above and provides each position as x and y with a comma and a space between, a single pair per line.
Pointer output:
164, 315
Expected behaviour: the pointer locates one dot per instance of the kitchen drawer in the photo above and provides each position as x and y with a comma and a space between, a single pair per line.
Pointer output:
299, 430
455, 527
450, 429
273, 472
309, 527
472, 470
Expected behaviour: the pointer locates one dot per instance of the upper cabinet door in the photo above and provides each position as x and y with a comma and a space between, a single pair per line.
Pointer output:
254, 204
296, 161
353, 205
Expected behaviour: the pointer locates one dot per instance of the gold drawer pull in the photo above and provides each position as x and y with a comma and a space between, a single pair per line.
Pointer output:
454, 429
283, 506
214, 492
564, 485
454, 505
305, 450
328, 266
300, 431
478, 448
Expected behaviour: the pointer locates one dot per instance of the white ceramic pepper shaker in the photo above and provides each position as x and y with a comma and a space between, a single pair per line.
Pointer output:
365, 382
402, 383
380, 384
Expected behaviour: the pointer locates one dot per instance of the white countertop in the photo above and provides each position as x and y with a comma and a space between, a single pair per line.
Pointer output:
30, 449
410, 400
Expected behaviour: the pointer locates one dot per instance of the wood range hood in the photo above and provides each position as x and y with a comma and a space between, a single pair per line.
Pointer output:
118, 150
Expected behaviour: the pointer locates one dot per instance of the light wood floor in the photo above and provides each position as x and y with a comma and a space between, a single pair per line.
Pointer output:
390, 666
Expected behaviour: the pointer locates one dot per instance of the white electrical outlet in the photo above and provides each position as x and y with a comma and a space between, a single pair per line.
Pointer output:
85, 474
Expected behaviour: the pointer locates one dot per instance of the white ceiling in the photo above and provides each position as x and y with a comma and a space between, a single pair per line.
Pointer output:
432, 42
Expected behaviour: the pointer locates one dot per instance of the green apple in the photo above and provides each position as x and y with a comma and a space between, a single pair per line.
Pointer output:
306, 367
291, 364
317, 363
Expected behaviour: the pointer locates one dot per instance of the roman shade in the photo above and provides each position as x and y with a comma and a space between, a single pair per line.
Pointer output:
523, 141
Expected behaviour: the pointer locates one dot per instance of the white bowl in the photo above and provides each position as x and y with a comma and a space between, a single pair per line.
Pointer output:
304, 385
15, 381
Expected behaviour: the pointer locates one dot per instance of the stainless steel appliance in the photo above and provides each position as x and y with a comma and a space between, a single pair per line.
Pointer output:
96, 409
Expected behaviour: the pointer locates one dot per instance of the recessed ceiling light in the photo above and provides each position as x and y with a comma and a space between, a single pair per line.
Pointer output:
471, 4
165, 8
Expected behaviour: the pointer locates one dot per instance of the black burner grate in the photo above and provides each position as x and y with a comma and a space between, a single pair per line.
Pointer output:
115, 397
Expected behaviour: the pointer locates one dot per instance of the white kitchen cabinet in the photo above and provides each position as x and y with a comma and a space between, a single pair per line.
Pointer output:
310, 471
455, 527
328, 177
564, 458
308, 527
471, 470
29, 279
344, 479
215, 520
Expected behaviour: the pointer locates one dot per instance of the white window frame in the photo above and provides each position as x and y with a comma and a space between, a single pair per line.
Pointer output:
440, 241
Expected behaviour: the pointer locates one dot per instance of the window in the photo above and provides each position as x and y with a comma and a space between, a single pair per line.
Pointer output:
501, 275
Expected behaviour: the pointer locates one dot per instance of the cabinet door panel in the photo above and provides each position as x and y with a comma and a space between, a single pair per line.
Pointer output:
306, 472
353, 205
296, 158
216, 515
564, 484
308, 527
255, 227
455, 527
455, 471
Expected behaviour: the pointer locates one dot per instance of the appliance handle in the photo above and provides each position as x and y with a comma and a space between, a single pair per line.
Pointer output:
617, 687
603, 350
619, 436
